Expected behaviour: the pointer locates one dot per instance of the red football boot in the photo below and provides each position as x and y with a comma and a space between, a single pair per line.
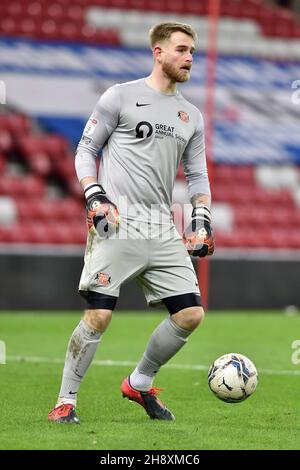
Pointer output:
153, 406
64, 413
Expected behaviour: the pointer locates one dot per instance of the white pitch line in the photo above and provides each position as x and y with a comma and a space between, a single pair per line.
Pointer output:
109, 363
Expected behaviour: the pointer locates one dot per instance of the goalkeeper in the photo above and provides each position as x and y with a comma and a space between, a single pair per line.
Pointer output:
144, 128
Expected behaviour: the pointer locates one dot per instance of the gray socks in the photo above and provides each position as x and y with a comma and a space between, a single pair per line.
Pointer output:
166, 340
81, 350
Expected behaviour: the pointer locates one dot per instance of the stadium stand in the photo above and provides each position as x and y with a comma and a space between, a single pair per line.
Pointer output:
256, 178
63, 20
249, 211
33, 210
104, 22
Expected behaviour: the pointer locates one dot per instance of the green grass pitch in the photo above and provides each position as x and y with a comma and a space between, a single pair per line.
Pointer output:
36, 344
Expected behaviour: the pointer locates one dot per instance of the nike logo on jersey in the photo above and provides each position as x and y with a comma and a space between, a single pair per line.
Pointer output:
142, 104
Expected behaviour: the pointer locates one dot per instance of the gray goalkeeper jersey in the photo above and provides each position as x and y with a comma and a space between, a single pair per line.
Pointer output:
143, 134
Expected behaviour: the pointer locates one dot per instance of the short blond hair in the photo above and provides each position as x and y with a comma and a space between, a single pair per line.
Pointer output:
162, 32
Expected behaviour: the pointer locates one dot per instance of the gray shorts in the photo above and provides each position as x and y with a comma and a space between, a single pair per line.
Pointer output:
163, 268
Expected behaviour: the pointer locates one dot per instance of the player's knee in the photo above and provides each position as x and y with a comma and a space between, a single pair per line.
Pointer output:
98, 319
189, 318
195, 317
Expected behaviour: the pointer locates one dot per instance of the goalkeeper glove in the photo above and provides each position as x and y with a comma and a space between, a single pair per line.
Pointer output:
102, 214
198, 237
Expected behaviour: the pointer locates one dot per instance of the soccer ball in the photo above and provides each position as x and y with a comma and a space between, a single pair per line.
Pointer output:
232, 378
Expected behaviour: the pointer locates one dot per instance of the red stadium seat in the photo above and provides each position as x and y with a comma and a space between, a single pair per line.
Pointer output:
10, 185
55, 145
27, 27
26, 209
26, 233
122, 4
18, 124
244, 175
72, 209
47, 29
6, 141
30, 144
47, 210
33, 186
34, 9
229, 8
2, 163
238, 239
14, 234
75, 13
55, 10
40, 233
46, 19
38, 159
195, 8
249, 217
223, 172
69, 31
261, 216
283, 238
296, 31
100, 36
9, 26
65, 168
40, 163
75, 233
136, 4
15, 9
284, 24
233, 175
75, 189
175, 6
251, 9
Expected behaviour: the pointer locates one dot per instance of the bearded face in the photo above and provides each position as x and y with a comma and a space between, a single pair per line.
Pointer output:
176, 73
176, 57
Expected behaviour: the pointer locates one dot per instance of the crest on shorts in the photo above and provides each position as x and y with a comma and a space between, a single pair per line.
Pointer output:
102, 279
183, 116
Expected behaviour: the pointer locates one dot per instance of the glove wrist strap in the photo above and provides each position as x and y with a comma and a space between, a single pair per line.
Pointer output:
202, 212
92, 189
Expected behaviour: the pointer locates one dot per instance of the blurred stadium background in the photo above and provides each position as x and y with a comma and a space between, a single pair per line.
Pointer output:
57, 57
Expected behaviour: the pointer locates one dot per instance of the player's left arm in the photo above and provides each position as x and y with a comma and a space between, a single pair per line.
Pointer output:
198, 236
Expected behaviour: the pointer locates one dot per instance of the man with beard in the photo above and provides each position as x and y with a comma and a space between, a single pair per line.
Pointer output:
144, 128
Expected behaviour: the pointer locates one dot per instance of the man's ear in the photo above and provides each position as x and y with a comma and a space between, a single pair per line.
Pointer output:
157, 50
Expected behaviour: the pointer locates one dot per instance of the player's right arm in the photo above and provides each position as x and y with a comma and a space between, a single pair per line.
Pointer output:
101, 213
